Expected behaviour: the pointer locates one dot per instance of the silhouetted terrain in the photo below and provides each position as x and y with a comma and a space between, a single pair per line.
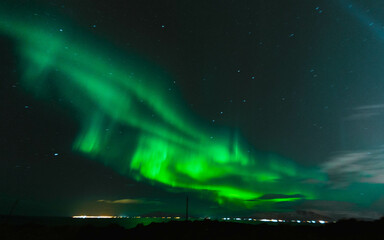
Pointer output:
345, 229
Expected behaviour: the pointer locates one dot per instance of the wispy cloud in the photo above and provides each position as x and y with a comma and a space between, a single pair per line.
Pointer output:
365, 112
370, 107
359, 166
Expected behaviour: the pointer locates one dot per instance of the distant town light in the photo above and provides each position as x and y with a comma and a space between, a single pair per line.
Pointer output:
85, 216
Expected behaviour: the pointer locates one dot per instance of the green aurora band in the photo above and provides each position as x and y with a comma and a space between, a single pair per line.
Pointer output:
131, 123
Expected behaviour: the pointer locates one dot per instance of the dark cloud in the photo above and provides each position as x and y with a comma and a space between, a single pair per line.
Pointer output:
378, 205
336, 209
121, 201
277, 196
128, 201
326, 205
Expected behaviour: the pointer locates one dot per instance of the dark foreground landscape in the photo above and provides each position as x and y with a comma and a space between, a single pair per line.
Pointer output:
206, 229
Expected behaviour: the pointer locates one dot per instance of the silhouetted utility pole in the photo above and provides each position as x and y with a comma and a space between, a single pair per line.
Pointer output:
13, 208
186, 210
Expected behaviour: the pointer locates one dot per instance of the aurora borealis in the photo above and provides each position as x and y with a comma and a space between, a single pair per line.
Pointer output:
171, 148
276, 145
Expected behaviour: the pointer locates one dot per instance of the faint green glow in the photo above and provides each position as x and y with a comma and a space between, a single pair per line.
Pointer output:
132, 123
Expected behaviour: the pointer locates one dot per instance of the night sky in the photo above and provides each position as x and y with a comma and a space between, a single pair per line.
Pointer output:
126, 107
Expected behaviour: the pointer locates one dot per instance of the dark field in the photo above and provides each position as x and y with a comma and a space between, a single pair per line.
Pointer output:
62, 221
205, 229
